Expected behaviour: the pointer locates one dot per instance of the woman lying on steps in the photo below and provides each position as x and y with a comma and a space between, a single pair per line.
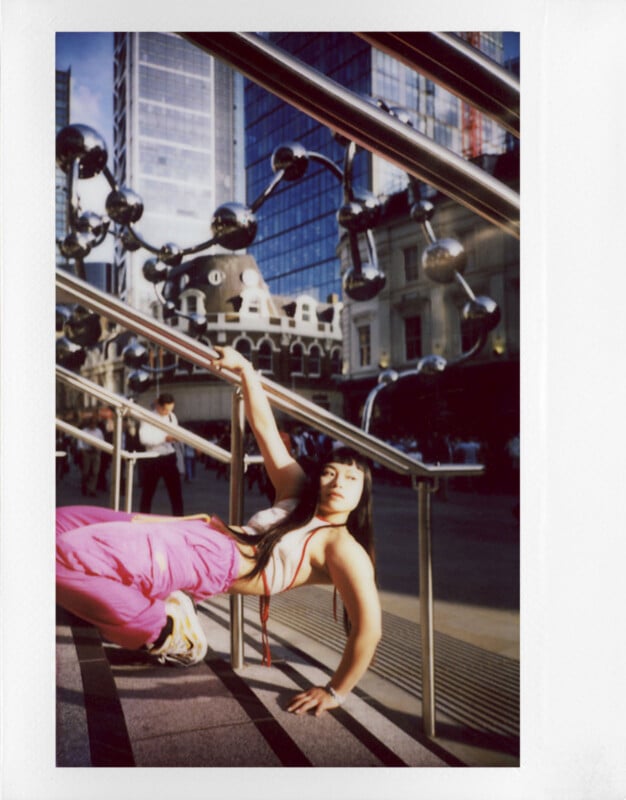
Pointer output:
135, 576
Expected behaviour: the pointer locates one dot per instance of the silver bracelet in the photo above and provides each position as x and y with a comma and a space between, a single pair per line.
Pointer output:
338, 698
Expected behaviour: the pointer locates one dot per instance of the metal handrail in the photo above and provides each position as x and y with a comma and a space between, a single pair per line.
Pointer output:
455, 65
131, 459
305, 411
130, 408
422, 475
367, 125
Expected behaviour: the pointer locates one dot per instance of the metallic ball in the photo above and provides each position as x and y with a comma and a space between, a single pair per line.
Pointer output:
90, 222
423, 211
442, 259
291, 157
83, 327
129, 242
171, 254
139, 381
124, 206
77, 244
82, 143
135, 355
234, 225
388, 376
69, 354
363, 284
63, 313
154, 270
484, 310
360, 214
431, 365
197, 324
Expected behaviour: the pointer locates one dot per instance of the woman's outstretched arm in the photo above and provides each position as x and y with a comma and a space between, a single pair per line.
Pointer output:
283, 470
352, 573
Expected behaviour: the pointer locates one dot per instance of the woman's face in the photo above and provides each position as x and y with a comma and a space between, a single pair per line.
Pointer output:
341, 487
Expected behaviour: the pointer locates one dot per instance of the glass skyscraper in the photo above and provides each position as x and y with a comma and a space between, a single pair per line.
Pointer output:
298, 233
178, 122
62, 118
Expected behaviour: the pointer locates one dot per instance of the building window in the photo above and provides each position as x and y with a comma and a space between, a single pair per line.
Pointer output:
335, 362
315, 360
365, 345
413, 337
296, 362
410, 264
265, 357
244, 347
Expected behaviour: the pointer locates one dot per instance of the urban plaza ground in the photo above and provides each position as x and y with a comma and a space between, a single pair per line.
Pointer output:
114, 708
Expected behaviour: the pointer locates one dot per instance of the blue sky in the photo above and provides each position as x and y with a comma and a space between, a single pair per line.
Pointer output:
90, 56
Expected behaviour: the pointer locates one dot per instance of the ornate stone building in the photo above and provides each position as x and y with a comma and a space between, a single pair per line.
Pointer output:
293, 341
414, 317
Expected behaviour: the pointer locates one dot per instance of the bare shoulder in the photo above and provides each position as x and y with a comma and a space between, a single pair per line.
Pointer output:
352, 573
344, 553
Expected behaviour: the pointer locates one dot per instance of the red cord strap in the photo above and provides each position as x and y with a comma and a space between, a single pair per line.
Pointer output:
264, 602
264, 612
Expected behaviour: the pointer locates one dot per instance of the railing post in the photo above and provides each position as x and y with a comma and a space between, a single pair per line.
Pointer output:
426, 607
130, 473
235, 518
116, 460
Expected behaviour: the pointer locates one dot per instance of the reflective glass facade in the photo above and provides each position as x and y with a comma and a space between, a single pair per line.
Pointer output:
62, 118
176, 134
298, 232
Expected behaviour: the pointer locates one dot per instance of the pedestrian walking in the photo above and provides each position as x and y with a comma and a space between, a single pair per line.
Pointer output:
164, 464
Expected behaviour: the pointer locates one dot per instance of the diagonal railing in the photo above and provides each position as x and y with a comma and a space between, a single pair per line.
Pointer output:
360, 121
424, 476
123, 407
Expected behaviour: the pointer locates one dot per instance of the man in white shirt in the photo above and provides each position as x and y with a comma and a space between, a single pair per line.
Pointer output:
163, 465
90, 458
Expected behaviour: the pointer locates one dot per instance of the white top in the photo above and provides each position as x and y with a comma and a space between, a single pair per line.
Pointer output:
287, 556
153, 438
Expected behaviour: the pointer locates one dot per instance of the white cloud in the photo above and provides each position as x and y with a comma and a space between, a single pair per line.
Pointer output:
87, 107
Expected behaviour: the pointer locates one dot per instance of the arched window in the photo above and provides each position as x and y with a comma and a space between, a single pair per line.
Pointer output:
315, 360
335, 361
265, 356
296, 360
192, 302
244, 346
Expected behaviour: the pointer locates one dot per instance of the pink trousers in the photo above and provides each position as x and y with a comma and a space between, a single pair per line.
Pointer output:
116, 574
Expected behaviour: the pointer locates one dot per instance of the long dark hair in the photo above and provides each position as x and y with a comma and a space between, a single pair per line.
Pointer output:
359, 522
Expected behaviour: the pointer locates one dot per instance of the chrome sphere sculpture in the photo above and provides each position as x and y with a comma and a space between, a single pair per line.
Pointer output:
124, 206
81, 148
81, 153
443, 261
291, 159
363, 283
68, 354
234, 226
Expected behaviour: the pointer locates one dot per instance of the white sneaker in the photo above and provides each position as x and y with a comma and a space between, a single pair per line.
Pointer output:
186, 644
